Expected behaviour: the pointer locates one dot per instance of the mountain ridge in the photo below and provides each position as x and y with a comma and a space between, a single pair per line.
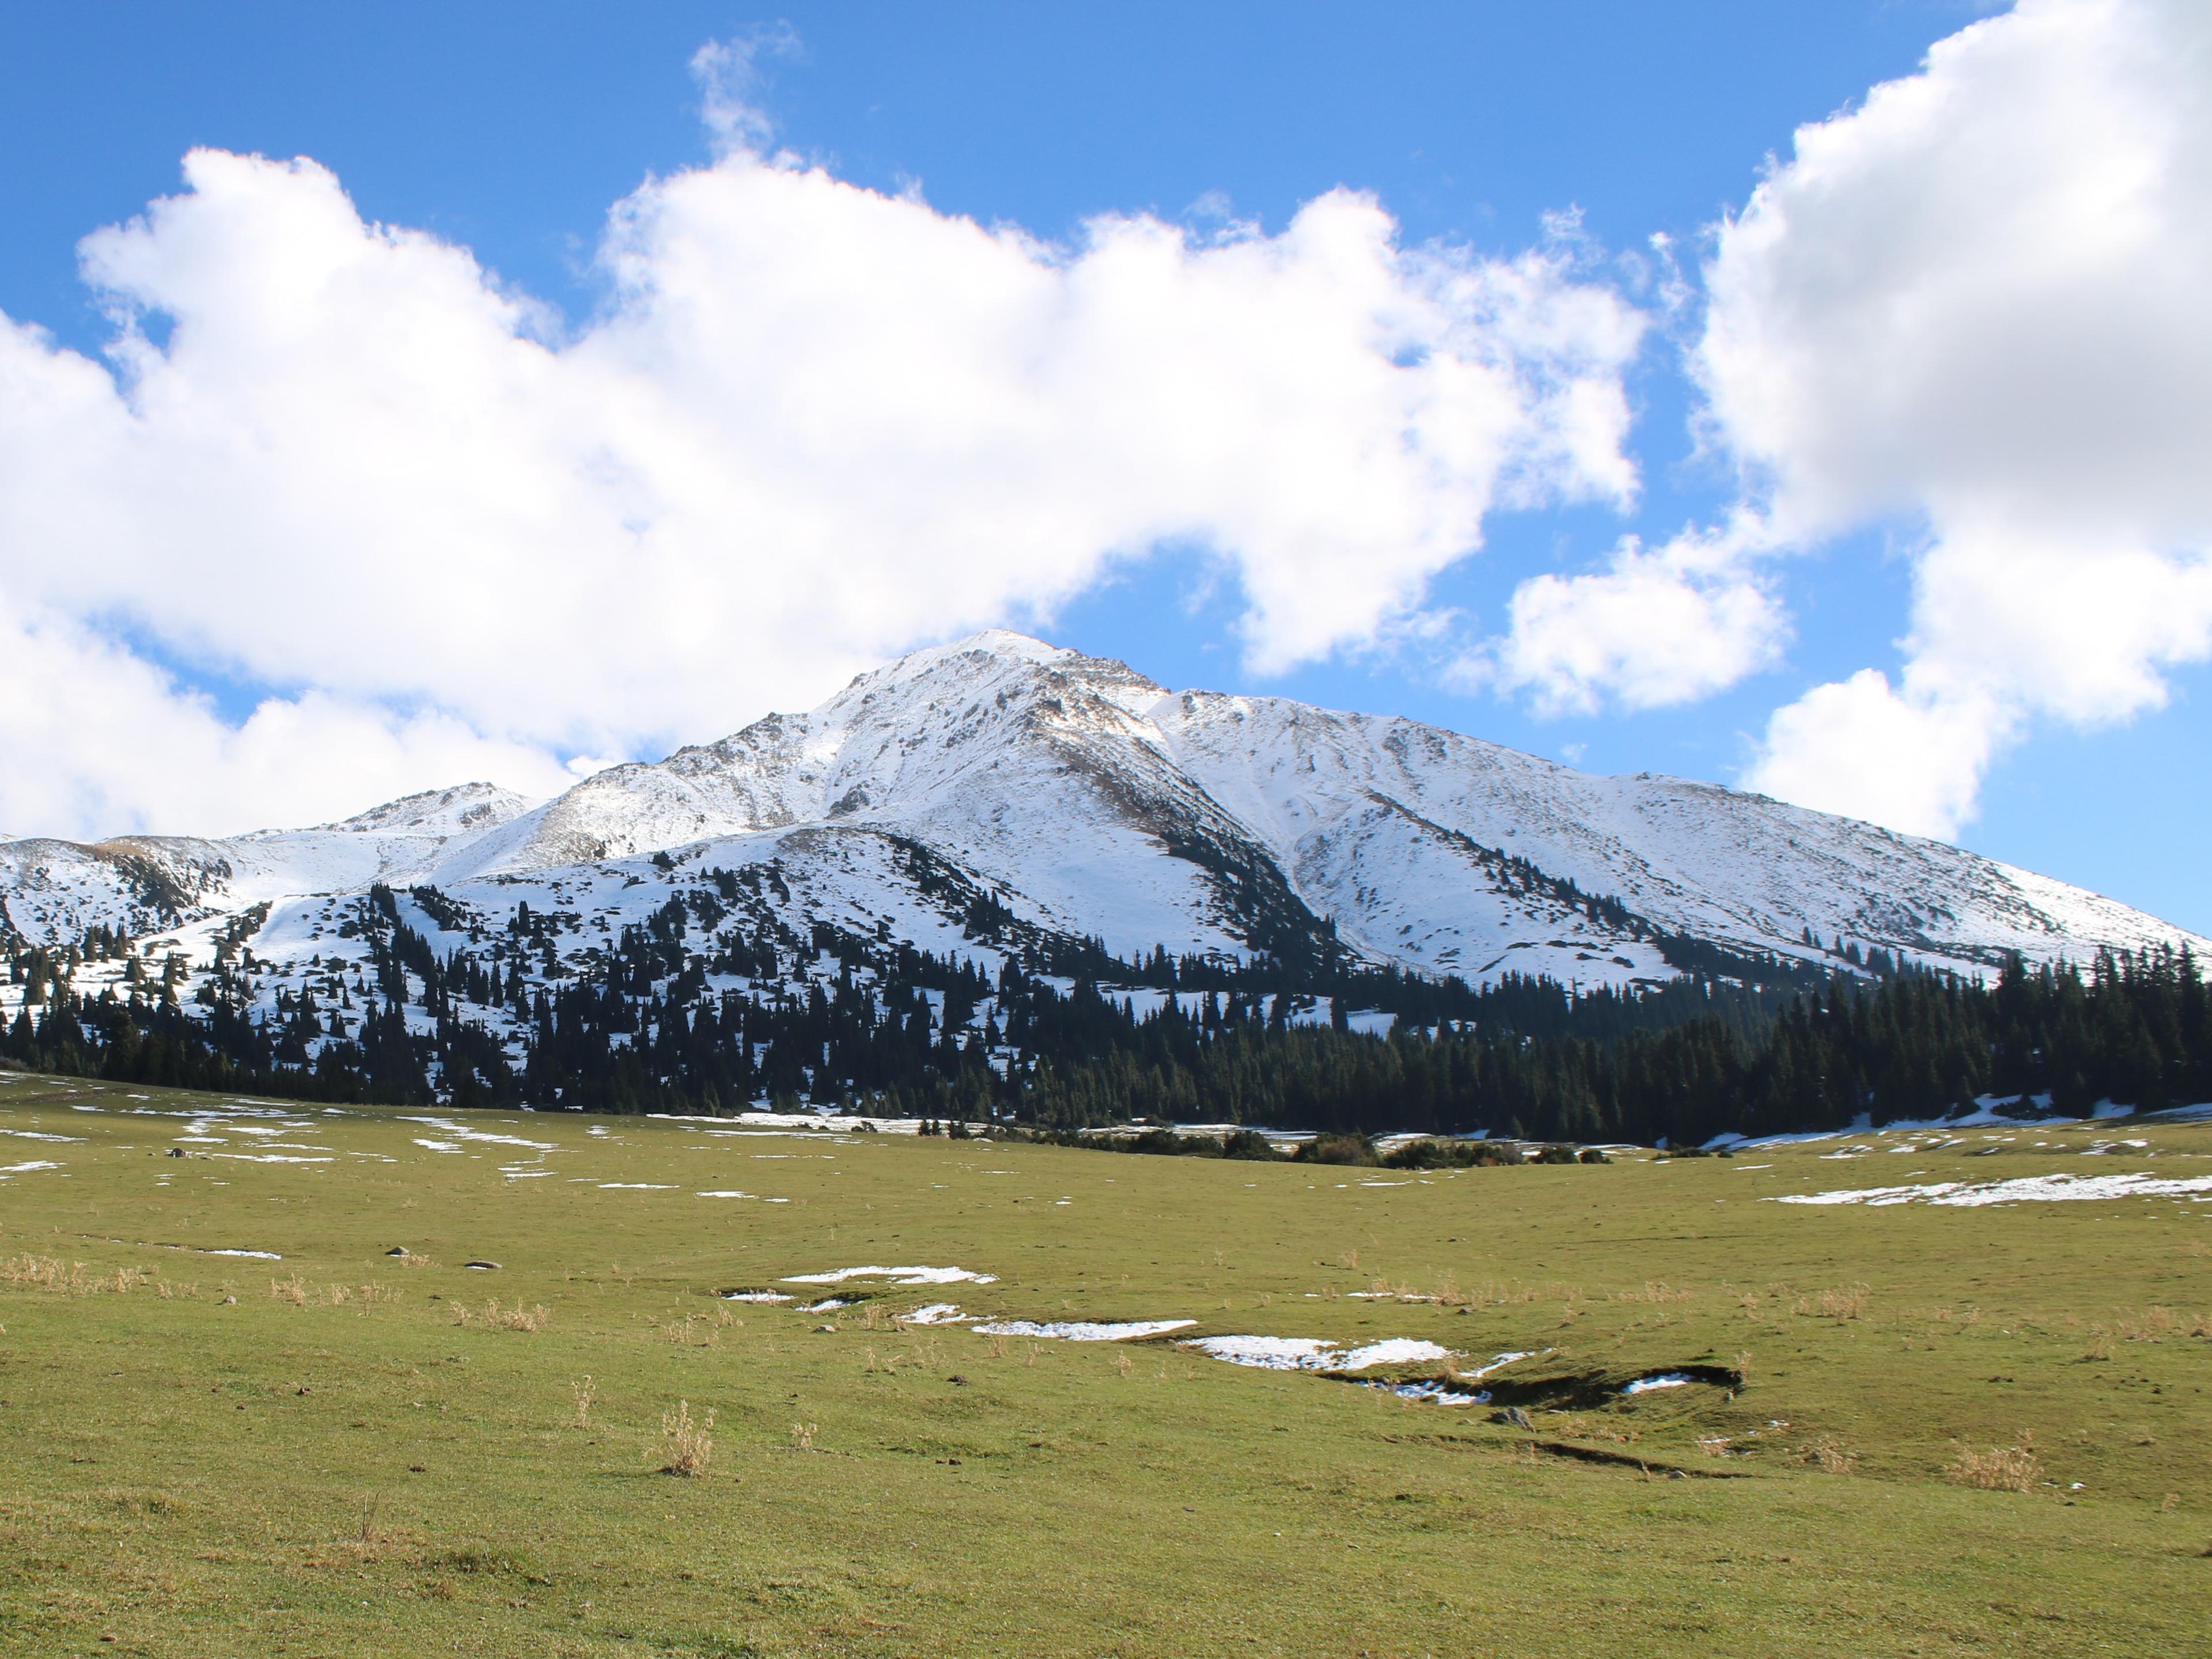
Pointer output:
1091, 801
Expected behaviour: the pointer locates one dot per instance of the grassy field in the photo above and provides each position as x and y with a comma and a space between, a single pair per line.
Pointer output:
365, 1453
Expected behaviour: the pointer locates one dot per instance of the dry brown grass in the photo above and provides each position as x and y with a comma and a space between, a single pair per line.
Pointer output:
493, 1317
46, 1272
802, 1436
1831, 1455
370, 1532
1843, 1301
2001, 1469
689, 1445
584, 1391
1654, 1290
2155, 1324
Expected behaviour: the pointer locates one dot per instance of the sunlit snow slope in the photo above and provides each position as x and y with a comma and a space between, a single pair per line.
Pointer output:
971, 794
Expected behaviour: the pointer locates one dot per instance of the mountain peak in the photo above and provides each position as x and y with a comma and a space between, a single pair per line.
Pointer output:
451, 810
998, 787
995, 659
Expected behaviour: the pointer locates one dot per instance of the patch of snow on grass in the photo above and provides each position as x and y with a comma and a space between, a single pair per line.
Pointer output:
905, 1277
2044, 1189
1664, 1380
1274, 1354
446, 1126
1499, 1362
636, 1187
1434, 1394
937, 1313
24, 1168
755, 1296
1083, 1330
1313, 1353
1396, 1351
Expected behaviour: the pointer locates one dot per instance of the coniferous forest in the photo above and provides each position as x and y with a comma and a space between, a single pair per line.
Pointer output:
1064, 1036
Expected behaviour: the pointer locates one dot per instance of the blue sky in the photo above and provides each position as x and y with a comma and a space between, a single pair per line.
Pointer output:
512, 130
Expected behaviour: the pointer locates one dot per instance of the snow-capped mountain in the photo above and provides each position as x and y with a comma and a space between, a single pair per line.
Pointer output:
1000, 788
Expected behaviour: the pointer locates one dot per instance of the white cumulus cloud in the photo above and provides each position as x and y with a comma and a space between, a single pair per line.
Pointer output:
92, 733
1657, 626
1977, 303
811, 425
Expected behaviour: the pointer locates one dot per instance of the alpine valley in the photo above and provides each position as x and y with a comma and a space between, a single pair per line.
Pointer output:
996, 880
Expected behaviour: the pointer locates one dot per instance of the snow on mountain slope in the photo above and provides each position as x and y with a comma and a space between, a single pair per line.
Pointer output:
1002, 776
51, 890
1384, 818
1031, 768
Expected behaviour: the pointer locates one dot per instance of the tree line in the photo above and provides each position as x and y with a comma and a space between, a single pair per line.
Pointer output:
1070, 1038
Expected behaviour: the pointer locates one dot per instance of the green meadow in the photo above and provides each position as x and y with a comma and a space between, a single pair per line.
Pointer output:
1906, 1429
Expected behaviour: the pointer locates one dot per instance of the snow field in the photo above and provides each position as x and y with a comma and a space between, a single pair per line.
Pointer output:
2024, 1189
1305, 1353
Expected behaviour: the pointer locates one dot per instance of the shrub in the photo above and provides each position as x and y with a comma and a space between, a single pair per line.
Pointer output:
1845, 1302
2001, 1469
1449, 1154
1417, 1155
1338, 1149
690, 1445
1488, 1153
497, 1318
1167, 1142
1246, 1143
